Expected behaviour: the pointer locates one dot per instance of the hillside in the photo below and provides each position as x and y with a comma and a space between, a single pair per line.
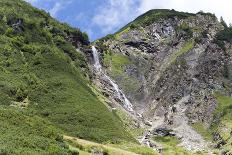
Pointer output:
175, 68
45, 88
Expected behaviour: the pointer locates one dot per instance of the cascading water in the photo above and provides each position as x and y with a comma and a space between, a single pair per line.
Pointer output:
97, 66
127, 104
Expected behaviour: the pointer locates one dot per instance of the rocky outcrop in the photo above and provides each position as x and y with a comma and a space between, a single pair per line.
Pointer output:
176, 67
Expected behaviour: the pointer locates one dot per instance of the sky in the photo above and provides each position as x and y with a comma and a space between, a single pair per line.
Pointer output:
101, 17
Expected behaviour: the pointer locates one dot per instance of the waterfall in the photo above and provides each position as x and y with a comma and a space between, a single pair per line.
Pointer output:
97, 66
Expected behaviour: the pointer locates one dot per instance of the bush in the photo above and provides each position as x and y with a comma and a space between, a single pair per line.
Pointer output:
133, 26
74, 152
184, 28
224, 35
105, 152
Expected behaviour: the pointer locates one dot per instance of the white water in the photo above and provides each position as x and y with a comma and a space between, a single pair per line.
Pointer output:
127, 104
97, 64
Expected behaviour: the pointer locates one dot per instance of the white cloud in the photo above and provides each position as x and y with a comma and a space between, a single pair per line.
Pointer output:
80, 16
114, 13
56, 8
32, 1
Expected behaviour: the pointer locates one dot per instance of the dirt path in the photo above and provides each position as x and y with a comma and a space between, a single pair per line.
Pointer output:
112, 150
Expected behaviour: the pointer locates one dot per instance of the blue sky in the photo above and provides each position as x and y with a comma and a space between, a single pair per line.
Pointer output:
101, 17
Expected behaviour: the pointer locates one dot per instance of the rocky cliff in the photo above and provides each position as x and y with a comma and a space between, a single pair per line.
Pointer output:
172, 69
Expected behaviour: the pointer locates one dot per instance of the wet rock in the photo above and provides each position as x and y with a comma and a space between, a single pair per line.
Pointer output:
163, 132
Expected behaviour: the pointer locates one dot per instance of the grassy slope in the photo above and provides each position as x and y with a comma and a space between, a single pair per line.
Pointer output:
37, 64
222, 124
116, 64
170, 146
123, 149
21, 133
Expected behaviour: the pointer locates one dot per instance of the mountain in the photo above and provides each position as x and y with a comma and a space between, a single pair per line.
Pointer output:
161, 84
175, 68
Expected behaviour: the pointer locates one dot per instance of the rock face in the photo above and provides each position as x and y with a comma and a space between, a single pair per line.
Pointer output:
170, 69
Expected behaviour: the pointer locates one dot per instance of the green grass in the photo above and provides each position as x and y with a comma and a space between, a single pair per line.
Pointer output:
202, 130
116, 64
185, 48
128, 122
173, 58
22, 133
136, 148
117, 35
223, 112
38, 63
124, 148
118, 61
223, 121
170, 146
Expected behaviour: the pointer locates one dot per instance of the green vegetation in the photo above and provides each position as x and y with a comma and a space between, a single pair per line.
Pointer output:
224, 35
185, 48
128, 122
202, 130
173, 57
153, 16
207, 14
221, 125
43, 76
125, 148
136, 148
117, 35
86, 149
170, 146
22, 133
222, 121
118, 61
224, 109
116, 64
186, 29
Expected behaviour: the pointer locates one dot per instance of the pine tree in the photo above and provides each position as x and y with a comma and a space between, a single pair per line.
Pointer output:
223, 22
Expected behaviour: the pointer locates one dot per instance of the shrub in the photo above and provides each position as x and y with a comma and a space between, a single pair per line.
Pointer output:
224, 35
133, 26
188, 33
74, 152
